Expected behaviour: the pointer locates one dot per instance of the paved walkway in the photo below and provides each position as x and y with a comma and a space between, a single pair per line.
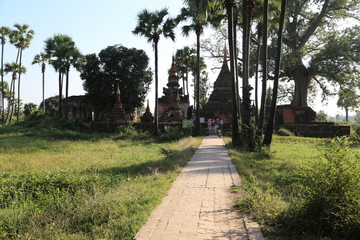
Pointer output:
199, 205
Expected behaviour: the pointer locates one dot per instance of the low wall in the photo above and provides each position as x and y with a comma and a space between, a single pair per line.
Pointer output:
320, 130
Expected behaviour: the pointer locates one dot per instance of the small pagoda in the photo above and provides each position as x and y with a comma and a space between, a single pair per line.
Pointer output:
147, 117
117, 114
173, 105
219, 104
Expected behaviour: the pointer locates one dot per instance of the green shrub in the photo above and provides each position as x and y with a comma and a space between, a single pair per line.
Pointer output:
128, 131
262, 203
332, 195
284, 132
174, 133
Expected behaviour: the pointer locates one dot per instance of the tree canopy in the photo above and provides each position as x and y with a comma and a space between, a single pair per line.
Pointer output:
127, 67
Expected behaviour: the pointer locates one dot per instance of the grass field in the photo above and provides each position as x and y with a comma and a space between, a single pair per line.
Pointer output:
304, 188
66, 185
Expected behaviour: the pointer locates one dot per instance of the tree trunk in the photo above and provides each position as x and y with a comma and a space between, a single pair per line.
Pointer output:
257, 77
197, 124
11, 113
10, 102
270, 125
156, 114
43, 86
236, 72
302, 82
246, 103
346, 114
2, 84
60, 94
235, 125
187, 81
264, 66
67, 92
18, 103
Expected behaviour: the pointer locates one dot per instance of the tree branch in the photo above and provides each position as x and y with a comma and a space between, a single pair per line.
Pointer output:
309, 32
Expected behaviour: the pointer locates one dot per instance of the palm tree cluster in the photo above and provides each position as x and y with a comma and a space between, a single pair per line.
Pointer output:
61, 53
197, 15
20, 37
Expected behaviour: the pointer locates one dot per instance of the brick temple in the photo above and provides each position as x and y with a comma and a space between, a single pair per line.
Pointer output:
173, 105
220, 100
117, 114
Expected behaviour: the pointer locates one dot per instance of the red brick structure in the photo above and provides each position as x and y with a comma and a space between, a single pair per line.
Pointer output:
220, 100
147, 117
173, 105
117, 114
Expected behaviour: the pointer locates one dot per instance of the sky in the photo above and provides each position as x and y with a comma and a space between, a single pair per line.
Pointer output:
93, 25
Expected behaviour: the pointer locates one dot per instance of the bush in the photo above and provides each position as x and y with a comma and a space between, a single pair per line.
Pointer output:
129, 132
174, 133
332, 197
263, 203
284, 132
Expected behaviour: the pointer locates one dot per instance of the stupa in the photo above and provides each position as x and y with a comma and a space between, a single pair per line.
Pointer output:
147, 117
219, 104
173, 105
117, 114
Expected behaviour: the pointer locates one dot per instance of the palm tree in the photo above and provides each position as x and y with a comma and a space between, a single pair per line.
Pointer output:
42, 60
72, 59
21, 38
15, 69
152, 25
264, 65
60, 51
4, 32
270, 124
184, 58
198, 19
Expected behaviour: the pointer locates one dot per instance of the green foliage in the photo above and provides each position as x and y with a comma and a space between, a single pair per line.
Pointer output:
262, 203
308, 190
129, 132
116, 65
174, 133
284, 132
51, 106
332, 194
321, 116
64, 191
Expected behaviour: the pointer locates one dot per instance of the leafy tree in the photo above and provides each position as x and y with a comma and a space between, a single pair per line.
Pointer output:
29, 108
15, 69
4, 32
152, 25
42, 60
62, 53
308, 30
184, 60
321, 116
348, 99
114, 65
51, 105
204, 89
21, 38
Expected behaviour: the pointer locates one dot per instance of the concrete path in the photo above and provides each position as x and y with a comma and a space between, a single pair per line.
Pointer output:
199, 205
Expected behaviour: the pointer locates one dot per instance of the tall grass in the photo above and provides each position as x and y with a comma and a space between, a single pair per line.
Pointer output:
62, 184
308, 189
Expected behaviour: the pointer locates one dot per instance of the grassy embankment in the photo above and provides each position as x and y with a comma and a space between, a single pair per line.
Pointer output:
305, 188
69, 185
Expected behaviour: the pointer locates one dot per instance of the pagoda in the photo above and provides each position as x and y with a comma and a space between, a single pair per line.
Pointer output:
147, 117
117, 114
173, 105
219, 104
